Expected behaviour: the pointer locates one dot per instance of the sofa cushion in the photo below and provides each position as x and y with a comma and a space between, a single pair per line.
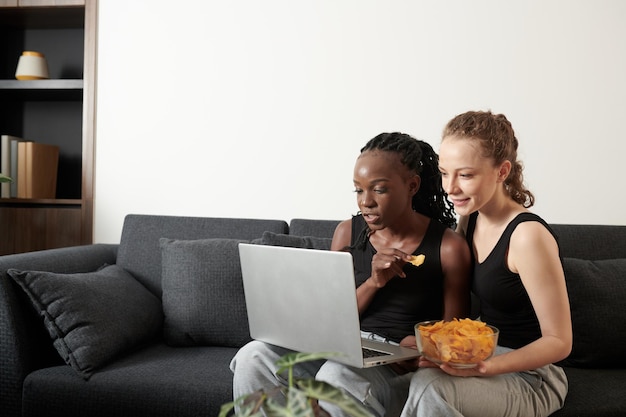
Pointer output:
591, 241
305, 242
203, 298
596, 290
140, 252
594, 393
92, 317
313, 227
156, 381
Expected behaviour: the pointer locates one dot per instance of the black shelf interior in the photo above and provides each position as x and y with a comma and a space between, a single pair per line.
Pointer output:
46, 111
43, 17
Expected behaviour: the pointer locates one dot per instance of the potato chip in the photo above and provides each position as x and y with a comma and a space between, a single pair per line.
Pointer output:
417, 260
458, 342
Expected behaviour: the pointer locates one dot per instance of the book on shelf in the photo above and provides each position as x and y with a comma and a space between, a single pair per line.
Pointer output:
14, 141
37, 168
6, 167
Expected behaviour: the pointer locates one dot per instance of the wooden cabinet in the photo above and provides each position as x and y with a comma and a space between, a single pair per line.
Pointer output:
59, 111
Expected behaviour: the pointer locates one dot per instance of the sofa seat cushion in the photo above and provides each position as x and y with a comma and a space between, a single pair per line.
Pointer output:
92, 317
155, 381
203, 298
594, 392
596, 289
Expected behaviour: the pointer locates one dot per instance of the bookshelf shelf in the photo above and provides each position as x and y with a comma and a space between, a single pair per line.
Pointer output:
44, 90
41, 85
35, 202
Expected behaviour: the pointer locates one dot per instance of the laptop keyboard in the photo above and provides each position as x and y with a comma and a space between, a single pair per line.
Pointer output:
370, 353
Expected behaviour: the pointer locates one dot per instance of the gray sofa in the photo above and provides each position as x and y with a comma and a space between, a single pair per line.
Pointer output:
148, 327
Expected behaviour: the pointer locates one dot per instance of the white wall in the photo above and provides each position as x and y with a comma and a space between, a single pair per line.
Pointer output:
258, 109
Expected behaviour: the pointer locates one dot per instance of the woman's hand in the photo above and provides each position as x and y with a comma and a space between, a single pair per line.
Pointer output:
409, 342
479, 370
386, 264
425, 363
410, 365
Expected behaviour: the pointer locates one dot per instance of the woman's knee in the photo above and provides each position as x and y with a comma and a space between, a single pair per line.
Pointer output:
329, 372
253, 354
253, 349
431, 383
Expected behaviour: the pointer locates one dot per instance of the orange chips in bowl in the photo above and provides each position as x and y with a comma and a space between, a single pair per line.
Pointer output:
461, 343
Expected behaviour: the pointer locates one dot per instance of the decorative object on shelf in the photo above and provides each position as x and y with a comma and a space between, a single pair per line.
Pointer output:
32, 65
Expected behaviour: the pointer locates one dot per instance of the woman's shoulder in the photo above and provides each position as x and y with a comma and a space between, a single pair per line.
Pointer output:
527, 222
528, 216
342, 235
453, 241
344, 225
531, 231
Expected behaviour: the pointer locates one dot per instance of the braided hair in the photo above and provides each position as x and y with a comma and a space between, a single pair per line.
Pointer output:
419, 157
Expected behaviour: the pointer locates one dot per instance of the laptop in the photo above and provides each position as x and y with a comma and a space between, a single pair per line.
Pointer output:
305, 300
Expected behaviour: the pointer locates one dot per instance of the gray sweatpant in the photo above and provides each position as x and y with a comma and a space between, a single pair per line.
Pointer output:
379, 388
536, 393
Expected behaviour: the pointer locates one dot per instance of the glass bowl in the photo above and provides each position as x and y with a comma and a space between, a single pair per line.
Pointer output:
459, 343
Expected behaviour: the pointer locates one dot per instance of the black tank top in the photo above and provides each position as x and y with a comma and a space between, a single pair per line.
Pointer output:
403, 302
504, 302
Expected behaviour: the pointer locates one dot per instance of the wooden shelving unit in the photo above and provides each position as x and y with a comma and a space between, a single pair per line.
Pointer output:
60, 111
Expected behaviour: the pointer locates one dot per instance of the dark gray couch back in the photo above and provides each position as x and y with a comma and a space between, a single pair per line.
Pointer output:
312, 227
139, 251
592, 242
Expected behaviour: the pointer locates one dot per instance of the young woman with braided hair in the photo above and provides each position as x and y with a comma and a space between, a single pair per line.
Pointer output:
517, 276
403, 211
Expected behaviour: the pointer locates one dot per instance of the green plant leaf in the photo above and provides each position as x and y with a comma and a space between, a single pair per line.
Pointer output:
298, 405
300, 396
324, 391
4, 178
248, 405
225, 409
294, 358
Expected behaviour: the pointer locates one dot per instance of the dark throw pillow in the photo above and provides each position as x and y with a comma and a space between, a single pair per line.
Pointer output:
304, 242
596, 291
92, 317
203, 297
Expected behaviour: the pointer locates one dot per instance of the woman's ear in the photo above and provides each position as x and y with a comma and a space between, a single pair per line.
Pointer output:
504, 171
414, 184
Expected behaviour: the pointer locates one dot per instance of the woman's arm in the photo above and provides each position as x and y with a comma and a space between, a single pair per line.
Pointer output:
386, 264
342, 235
456, 264
341, 239
534, 255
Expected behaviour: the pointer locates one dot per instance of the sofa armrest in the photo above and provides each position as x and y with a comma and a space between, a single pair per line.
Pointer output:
24, 343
